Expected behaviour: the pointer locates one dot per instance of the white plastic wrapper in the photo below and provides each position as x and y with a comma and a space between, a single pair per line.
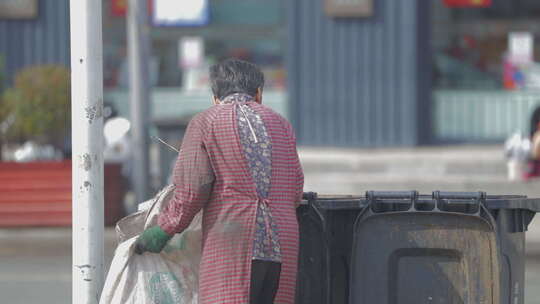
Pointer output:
168, 277
517, 147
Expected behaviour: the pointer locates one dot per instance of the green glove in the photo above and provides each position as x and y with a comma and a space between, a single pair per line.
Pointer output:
152, 239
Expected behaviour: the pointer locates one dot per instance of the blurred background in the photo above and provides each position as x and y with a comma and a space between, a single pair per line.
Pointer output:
384, 95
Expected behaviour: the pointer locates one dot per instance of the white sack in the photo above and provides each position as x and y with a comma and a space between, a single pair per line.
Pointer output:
168, 277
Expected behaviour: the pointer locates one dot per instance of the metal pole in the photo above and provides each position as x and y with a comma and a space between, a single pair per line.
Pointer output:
138, 48
87, 150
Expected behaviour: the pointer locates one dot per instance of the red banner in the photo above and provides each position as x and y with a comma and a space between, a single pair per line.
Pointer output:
119, 7
467, 3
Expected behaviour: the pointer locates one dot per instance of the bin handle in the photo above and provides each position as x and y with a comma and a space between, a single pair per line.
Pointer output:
309, 196
381, 197
472, 198
459, 195
411, 198
410, 195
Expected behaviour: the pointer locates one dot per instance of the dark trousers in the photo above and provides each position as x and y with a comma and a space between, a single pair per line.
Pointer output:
264, 281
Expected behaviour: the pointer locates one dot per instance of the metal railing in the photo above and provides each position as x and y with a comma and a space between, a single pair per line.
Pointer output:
471, 116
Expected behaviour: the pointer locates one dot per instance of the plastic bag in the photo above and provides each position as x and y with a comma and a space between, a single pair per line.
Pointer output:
168, 277
517, 147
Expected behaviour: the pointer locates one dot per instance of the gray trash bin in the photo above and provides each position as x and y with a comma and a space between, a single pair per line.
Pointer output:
401, 247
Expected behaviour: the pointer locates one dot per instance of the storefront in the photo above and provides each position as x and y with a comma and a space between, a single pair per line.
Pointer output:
185, 41
397, 74
485, 68
414, 73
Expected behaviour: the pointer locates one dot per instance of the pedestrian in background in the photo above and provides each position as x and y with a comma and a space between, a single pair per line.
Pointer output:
238, 163
534, 163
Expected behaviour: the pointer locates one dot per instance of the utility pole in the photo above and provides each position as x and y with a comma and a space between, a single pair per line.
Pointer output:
87, 149
138, 48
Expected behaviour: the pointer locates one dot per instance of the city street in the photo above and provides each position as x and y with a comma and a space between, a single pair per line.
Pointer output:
36, 265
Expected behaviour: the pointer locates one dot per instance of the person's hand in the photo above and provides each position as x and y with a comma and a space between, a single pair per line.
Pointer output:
152, 239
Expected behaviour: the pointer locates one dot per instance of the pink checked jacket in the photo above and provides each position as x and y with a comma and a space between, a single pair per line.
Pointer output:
212, 174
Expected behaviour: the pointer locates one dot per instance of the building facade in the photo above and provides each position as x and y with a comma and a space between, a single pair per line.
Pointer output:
405, 73
39, 37
360, 81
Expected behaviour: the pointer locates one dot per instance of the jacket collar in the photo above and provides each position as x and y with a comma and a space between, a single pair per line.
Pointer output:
237, 98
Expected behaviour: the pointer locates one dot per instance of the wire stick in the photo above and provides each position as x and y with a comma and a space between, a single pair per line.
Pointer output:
163, 142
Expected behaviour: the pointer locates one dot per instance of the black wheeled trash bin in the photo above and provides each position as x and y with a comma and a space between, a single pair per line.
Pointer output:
402, 247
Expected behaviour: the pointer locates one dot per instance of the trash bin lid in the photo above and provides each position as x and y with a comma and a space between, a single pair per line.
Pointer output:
336, 202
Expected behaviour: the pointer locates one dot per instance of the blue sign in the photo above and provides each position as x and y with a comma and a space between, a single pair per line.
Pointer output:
178, 13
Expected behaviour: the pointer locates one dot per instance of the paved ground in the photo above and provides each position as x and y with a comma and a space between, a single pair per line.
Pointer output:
35, 265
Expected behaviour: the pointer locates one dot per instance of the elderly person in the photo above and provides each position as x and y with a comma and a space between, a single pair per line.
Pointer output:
238, 163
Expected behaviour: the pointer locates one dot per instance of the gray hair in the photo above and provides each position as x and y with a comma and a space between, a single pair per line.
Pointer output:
235, 76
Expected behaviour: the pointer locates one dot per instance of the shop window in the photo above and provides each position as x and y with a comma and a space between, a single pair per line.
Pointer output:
471, 44
252, 30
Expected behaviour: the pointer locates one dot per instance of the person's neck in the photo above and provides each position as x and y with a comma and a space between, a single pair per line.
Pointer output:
237, 97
